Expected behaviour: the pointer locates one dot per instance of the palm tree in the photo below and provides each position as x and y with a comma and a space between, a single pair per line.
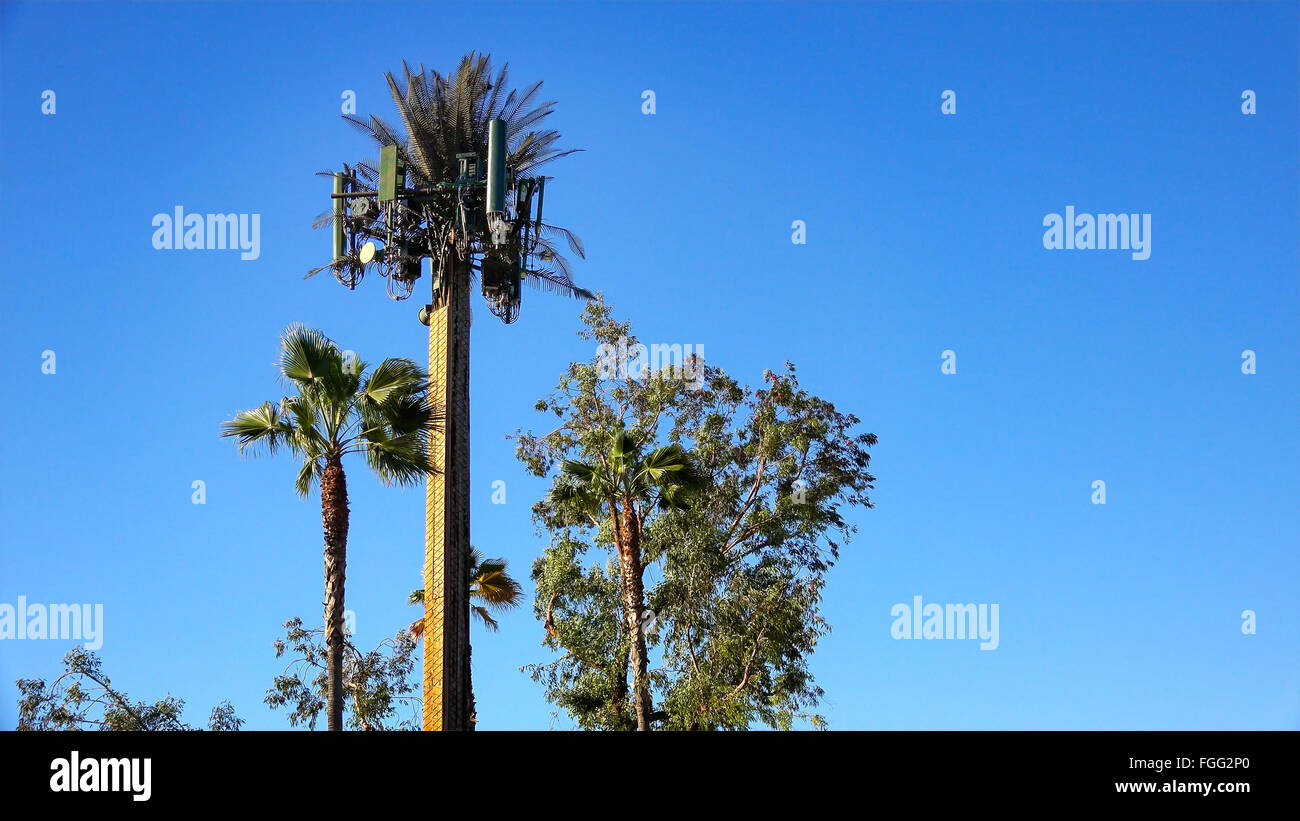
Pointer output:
490, 584
626, 486
444, 118
340, 409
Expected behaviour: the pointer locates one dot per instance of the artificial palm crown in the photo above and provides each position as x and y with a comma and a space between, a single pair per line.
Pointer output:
443, 118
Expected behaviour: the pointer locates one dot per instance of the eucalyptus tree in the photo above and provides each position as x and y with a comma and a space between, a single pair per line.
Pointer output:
428, 196
378, 691
83, 697
713, 584
340, 408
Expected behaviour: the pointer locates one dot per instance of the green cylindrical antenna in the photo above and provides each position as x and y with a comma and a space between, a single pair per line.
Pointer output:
339, 244
541, 198
496, 167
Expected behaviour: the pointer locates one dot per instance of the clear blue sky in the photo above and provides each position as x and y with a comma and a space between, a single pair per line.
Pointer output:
924, 234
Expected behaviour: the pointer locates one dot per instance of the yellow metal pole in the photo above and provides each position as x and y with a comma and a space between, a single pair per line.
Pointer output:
446, 601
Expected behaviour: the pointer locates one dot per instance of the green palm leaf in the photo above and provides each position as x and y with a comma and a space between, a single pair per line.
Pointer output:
259, 428
306, 355
488, 582
394, 377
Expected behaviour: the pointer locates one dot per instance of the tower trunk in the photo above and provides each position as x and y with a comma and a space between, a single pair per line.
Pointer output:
446, 601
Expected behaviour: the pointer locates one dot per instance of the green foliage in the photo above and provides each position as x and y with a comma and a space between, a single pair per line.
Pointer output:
446, 114
83, 698
739, 564
490, 585
590, 681
339, 409
379, 694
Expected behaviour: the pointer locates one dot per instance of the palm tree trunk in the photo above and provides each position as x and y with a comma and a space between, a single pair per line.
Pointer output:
446, 600
630, 568
334, 515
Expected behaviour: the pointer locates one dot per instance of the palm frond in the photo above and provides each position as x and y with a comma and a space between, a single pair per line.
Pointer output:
662, 461
409, 414
575, 243
261, 428
307, 355
397, 460
496, 588
310, 472
396, 378
403, 98
488, 622
552, 282
578, 470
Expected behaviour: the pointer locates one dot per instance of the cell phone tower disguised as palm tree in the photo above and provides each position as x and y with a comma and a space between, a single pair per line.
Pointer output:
458, 186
